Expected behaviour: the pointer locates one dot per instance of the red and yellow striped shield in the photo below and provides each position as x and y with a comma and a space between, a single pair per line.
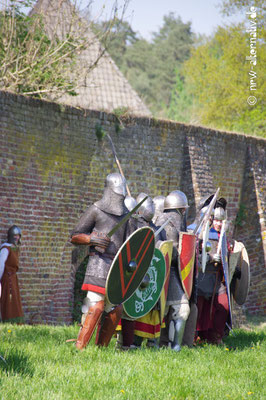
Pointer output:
186, 251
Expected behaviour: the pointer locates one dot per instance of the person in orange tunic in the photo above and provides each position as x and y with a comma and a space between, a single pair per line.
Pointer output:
10, 301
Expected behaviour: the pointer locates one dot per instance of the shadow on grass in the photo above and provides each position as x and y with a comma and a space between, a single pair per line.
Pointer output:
256, 321
16, 363
241, 340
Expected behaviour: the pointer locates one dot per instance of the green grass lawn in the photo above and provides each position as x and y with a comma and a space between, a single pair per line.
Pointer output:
40, 365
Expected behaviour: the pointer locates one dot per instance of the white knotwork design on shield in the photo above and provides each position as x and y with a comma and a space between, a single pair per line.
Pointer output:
147, 294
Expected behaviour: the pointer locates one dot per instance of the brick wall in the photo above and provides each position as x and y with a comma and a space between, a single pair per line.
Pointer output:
53, 167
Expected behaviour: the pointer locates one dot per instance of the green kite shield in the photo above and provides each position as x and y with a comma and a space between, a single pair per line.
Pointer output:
130, 265
144, 299
186, 255
166, 248
239, 258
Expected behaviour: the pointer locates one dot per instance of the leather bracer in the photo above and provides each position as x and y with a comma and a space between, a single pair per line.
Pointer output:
96, 239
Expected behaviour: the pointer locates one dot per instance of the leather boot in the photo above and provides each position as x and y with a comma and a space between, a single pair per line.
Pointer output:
127, 332
164, 339
107, 326
87, 329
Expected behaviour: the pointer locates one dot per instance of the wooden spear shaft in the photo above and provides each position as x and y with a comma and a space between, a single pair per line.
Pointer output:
117, 162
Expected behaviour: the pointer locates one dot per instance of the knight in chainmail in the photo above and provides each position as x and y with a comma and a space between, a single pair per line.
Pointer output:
92, 230
177, 304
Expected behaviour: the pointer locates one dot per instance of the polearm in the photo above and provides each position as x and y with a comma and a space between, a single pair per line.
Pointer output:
224, 264
117, 161
128, 191
205, 217
219, 246
221, 236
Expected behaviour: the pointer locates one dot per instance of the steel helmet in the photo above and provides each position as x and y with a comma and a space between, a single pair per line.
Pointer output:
175, 200
159, 203
116, 183
147, 208
219, 214
12, 231
130, 202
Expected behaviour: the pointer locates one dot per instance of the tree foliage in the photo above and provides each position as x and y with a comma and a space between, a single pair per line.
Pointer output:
120, 37
30, 61
150, 66
202, 80
229, 7
181, 107
219, 77
172, 46
39, 50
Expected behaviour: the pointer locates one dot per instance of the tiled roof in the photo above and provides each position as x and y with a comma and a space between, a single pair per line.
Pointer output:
102, 88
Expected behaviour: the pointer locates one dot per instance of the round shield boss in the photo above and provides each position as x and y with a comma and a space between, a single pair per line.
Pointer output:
144, 299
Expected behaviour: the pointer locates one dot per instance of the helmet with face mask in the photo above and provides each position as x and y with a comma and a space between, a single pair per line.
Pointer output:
116, 183
114, 193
